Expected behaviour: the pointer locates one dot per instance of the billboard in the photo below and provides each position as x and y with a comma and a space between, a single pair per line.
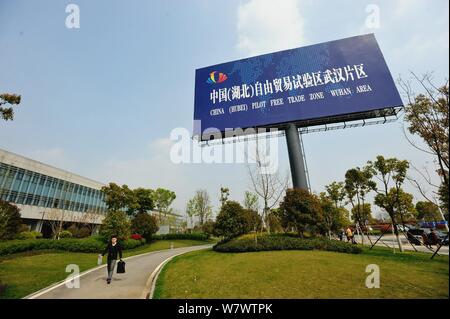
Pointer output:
341, 80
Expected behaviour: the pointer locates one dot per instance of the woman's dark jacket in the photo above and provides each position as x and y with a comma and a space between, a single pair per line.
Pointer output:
113, 251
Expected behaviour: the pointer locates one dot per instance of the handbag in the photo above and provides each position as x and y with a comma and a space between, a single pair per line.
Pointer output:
121, 267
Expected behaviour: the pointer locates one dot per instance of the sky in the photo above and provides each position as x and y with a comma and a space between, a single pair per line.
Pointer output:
101, 100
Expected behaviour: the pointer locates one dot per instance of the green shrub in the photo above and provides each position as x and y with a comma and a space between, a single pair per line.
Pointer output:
232, 220
132, 243
37, 234
85, 245
10, 221
82, 232
279, 242
99, 238
191, 236
25, 235
23, 227
145, 225
29, 235
65, 234
302, 211
79, 232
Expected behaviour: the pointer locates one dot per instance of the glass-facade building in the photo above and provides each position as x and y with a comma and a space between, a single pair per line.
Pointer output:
22, 186
42, 192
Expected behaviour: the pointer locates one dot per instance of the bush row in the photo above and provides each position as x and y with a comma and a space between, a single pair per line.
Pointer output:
192, 236
277, 242
86, 245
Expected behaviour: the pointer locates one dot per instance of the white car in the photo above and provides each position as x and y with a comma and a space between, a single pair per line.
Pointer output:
403, 228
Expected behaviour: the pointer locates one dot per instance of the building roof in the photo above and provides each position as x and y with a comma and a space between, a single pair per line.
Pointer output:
42, 168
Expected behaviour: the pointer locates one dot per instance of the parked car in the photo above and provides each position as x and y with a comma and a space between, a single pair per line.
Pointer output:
443, 237
415, 236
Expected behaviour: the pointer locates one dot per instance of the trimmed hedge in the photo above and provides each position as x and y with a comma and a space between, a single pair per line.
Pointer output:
277, 242
86, 245
132, 243
192, 236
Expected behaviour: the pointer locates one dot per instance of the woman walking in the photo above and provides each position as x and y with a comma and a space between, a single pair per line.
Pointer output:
349, 234
113, 249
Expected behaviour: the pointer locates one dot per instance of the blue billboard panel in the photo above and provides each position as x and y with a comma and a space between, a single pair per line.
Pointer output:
319, 82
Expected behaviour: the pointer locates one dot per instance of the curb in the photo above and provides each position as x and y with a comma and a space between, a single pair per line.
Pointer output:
151, 282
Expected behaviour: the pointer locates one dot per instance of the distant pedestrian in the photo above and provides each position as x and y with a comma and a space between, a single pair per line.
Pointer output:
113, 249
349, 234
341, 234
433, 237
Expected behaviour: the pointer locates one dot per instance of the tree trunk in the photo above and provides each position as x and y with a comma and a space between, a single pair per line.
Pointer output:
357, 230
400, 246
267, 222
362, 233
443, 218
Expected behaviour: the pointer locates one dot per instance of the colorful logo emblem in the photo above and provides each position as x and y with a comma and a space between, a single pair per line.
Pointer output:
216, 77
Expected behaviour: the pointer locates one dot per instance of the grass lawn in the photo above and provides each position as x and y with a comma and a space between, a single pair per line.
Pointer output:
25, 273
303, 274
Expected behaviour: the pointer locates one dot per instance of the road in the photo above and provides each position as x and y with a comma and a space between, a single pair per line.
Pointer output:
134, 284
391, 241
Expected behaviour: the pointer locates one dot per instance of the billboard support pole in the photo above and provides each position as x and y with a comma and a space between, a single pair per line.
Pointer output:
296, 158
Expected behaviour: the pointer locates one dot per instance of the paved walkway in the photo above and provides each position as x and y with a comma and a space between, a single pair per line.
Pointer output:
134, 284
391, 241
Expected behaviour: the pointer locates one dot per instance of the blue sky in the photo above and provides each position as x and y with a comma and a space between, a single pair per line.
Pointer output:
102, 100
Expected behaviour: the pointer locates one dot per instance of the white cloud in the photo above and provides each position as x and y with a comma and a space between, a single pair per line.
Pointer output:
153, 169
265, 26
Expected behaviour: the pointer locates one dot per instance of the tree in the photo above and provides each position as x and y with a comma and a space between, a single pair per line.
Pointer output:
358, 184
10, 221
7, 113
144, 199
119, 198
145, 225
427, 116
334, 218
231, 221
363, 213
224, 194
428, 211
89, 220
443, 192
191, 211
336, 192
253, 220
208, 227
391, 174
200, 206
115, 223
162, 199
56, 219
273, 220
269, 186
302, 211
405, 207
251, 201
